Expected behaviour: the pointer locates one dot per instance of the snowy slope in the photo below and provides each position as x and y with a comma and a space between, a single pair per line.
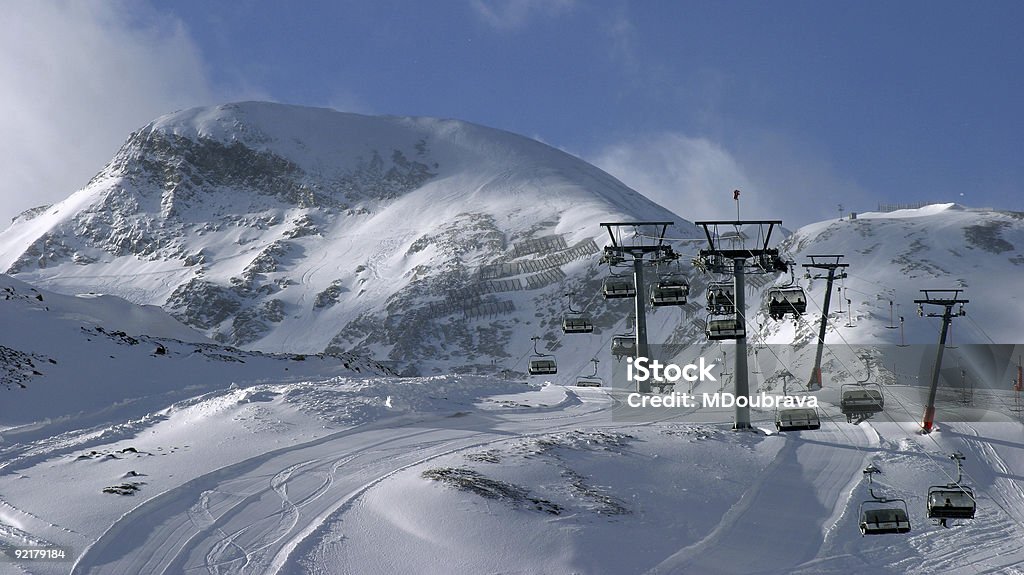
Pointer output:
376, 475
68, 362
323, 477
108, 311
894, 255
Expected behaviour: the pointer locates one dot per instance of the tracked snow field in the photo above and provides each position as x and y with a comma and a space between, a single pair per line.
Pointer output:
469, 474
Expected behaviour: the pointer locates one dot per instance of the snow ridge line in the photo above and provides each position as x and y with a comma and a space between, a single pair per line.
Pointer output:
26, 454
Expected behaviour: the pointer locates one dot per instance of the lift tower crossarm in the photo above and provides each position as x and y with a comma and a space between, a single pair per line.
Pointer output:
661, 235
943, 301
711, 225
947, 299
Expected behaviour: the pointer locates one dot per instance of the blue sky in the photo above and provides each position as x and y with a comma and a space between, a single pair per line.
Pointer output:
803, 105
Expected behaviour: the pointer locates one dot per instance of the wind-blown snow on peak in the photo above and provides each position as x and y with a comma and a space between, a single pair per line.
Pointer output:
384, 157
297, 229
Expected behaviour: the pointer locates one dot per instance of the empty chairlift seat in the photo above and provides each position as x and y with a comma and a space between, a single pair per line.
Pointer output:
543, 365
669, 291
573, 323
884, 517
784, 301
617, 287
724, 328
797, 419
861, 399
591, 380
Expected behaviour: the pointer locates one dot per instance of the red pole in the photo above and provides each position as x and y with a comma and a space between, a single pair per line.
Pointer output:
929, 418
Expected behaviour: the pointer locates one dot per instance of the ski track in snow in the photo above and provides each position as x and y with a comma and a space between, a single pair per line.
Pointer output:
257, 512
253, 516
307, 276
826, 469
985, 544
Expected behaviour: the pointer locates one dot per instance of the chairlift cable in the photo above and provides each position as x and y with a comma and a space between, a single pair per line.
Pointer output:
980, 330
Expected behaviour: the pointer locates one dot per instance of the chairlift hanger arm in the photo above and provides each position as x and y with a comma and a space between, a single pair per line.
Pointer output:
711, 241
611, 235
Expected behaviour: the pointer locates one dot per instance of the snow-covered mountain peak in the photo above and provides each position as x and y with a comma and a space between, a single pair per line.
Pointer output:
344, 148
298, 229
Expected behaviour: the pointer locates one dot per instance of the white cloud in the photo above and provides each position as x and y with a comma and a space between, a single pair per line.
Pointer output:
807, 182
622, 34
514, 14
695, 177
77, 77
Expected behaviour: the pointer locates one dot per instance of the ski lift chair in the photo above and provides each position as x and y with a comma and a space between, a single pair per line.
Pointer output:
861, 400
577, 323
786, 300
797, 418
618, 288
723, 329
670, 291
623, 346
721, 298
543, 365
951, 501
590, 381
882, 516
